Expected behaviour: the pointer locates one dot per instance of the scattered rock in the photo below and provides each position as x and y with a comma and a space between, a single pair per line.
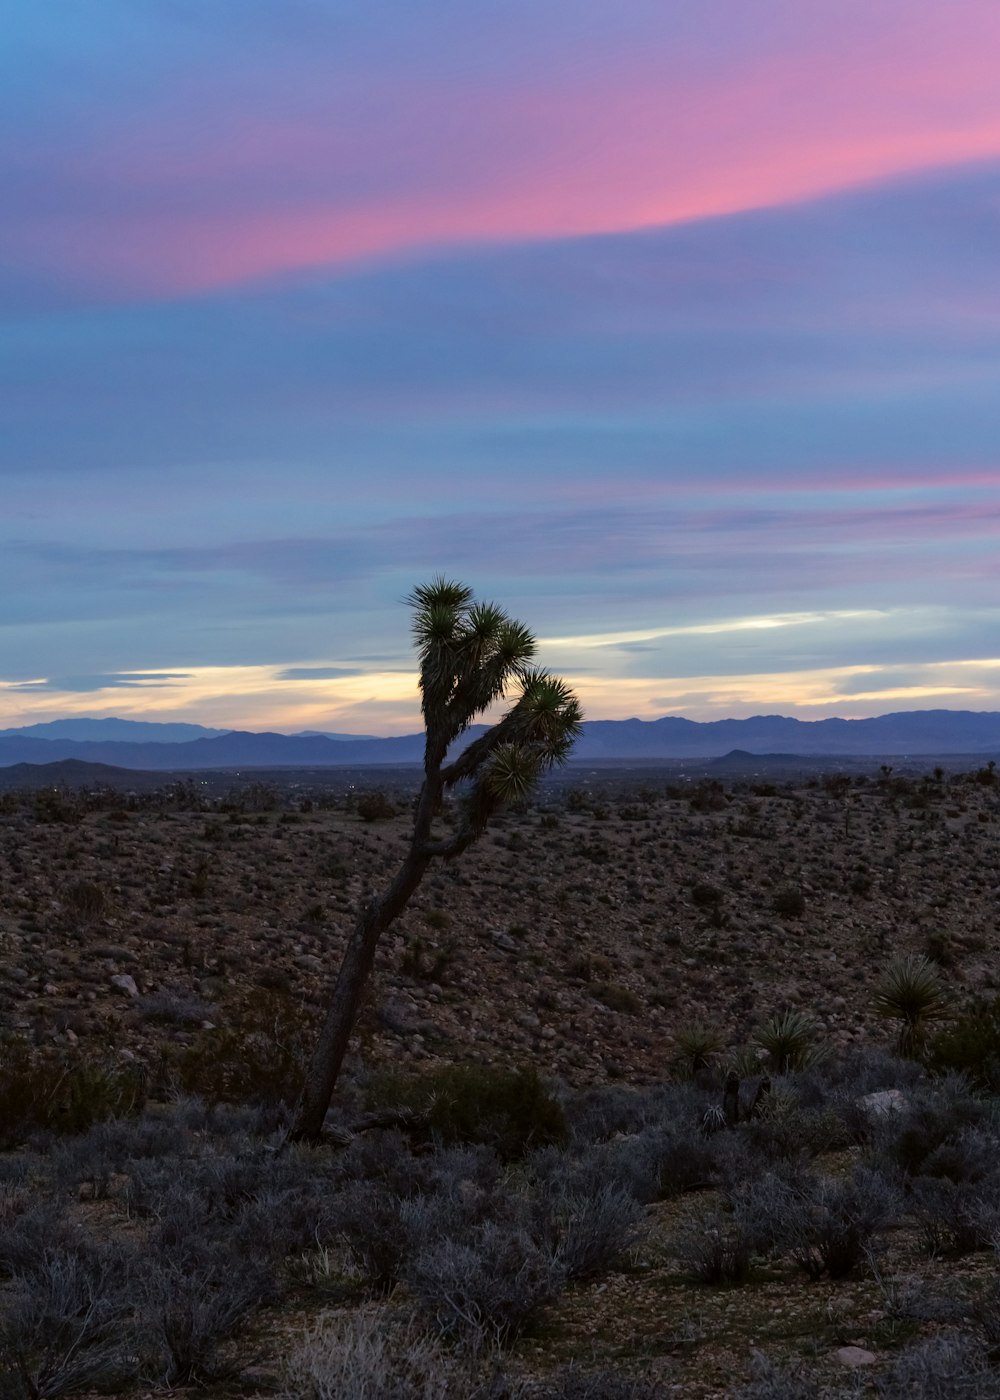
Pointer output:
884, 1102
125, 984
855, 1357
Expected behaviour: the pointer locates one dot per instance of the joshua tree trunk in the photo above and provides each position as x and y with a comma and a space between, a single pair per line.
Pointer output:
345, 1000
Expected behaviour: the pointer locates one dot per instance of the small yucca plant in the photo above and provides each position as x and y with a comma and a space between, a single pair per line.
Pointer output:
697, 1046
912, 993
790, 1040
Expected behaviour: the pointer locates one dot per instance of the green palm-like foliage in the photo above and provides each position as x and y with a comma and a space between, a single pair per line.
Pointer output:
697, 1046
912, 993
471, 655
790, 1039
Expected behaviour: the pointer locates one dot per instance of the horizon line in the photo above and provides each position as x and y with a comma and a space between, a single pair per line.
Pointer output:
220, 731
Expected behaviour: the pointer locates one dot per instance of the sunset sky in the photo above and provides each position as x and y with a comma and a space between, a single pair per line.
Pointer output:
673, 327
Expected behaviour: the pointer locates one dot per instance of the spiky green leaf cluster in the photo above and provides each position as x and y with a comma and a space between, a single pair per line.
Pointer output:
472, 655
911, 992
469, 653
697, 1045
789, 1038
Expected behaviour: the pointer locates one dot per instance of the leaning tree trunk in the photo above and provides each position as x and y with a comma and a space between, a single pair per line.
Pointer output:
345, 1001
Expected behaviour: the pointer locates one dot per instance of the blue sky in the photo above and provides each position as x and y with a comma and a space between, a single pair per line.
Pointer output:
675, 333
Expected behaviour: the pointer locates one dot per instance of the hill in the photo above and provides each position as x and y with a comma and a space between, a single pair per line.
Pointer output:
912, 733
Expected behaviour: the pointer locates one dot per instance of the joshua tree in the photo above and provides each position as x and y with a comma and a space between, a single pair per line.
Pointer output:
471, 655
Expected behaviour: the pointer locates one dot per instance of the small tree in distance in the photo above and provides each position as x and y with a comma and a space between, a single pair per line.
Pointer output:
471, 655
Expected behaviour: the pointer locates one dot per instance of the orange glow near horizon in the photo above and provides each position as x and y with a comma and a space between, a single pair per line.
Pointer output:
386, 703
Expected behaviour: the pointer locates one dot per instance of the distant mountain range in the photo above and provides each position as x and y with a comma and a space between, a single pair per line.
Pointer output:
129, 731
142, 745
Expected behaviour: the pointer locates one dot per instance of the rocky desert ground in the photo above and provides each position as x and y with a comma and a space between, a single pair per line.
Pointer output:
637, 1247
581, 933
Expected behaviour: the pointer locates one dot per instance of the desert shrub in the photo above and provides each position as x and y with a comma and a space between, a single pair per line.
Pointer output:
368, 1215
464, 1168
688, 1161
31, 1231
195, 1293
948, 1367
588, 1233
178, 1008
967, 1156
713, 1248
66, 1325
600, 1113
588, 967
83, 1162
865, 1070
830, 1226
276, 1222
707, 796
374, 807
575, 1384
956, 1217
617, 997
426, 962
768, 1382
384, 1229
85, 901
124, 1140
58, 807
914, 1301
792, 1117
386, 1157
938, 1118
768, 1208
483, 1293
778, 1137
151, 1186
372, 1356
222, 1121
789, 902
274, 1202
509, 1110
51, 1091
839, 1223
259, 1059
630, 1165
985, 1315
970, 1045
704, 894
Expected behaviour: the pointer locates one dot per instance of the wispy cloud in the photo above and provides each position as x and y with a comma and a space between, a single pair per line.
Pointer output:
82, 685
317, 673
703, 629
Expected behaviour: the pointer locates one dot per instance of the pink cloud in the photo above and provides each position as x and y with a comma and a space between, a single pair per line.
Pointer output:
210, 192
